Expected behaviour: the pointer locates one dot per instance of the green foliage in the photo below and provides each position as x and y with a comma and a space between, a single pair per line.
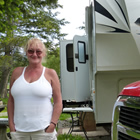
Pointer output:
10, 56
5, 61
53, 60
64, 116
5, 100
1, 2
69, 137
12, 11
9, 12
31, 17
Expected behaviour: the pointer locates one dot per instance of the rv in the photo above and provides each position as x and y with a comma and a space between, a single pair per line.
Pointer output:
96, 67
126, 110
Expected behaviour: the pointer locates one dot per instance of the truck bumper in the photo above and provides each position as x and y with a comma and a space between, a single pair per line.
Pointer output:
126, 119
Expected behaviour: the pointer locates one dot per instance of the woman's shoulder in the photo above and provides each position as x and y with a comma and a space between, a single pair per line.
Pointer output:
17, 72
52, 77
50, 72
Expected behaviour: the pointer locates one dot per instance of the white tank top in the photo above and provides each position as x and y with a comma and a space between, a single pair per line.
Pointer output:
32, 103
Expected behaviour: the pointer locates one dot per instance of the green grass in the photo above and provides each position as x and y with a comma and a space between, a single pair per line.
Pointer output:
5, 101
64, 116
5, 109
69, 137
3, 116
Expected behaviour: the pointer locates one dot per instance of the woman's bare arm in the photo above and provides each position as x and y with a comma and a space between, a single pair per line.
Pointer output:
10, 106
57, 99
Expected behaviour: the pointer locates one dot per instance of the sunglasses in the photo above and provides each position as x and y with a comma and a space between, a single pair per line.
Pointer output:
38, 52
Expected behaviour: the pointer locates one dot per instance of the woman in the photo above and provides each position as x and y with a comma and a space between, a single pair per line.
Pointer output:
31, 114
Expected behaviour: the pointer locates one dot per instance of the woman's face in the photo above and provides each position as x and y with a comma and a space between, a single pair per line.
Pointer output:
35, 53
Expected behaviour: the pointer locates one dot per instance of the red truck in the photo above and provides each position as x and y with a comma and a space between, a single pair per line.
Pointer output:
126, 114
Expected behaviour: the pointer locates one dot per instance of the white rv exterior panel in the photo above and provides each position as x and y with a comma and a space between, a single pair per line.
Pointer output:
117, 52
108, 85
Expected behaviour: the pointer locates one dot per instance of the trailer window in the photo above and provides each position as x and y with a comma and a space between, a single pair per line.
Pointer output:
69, 57
81, 52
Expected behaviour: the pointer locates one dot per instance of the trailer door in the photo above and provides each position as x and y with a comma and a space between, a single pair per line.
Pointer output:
67, 70
81, 68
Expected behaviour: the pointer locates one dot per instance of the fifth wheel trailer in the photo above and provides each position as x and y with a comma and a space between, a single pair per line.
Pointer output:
96, 67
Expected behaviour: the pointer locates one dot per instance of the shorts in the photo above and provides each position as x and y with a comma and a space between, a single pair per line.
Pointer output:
39, 135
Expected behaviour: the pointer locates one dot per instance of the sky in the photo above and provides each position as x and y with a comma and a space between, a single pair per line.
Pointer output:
74, 12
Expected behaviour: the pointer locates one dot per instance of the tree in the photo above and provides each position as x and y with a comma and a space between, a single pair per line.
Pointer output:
13, 10
9, 57
53, 60
20, 20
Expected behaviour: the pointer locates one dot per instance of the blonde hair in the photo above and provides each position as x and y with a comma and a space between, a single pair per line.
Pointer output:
35, 41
